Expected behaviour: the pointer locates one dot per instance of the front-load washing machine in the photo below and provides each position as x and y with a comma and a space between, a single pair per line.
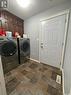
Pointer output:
9, 53
24, 45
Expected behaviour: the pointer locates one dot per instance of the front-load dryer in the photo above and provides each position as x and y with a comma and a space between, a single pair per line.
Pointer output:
9, 54
24, 45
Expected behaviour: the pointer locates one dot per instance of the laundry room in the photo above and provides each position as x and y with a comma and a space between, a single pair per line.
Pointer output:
35, 47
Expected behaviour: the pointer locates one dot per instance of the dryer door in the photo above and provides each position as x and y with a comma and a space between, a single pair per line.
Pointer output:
8, 48
25, 47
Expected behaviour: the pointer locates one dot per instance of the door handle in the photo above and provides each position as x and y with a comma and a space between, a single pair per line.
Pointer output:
41, 43
41, 46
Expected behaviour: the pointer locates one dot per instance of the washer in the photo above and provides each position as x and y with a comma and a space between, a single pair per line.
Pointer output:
24, 44
9, 53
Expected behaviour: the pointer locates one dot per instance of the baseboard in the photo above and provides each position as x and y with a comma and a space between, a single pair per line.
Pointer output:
34, 60
63, 81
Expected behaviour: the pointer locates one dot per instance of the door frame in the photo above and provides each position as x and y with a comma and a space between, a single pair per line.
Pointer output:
66, 12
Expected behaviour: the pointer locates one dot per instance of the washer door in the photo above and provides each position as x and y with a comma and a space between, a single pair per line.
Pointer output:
25, 47
8, 48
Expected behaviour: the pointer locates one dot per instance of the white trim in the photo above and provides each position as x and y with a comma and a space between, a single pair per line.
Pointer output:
56, 15
34, 60
70, 92
39, 42
63, 81
65, 40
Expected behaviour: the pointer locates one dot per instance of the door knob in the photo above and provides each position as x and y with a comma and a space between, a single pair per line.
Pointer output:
41, 45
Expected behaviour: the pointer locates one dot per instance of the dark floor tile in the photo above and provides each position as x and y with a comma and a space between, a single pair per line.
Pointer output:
8, 74
44, 78
34, 80
33, 66
46, 66
53, 91
24, 72
11, 85
54, 75
42, 69
30, 75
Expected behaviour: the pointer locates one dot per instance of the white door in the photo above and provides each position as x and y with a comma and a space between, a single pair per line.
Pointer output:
51, 40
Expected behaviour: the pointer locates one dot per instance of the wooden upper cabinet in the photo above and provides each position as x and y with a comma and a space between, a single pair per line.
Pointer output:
12, 23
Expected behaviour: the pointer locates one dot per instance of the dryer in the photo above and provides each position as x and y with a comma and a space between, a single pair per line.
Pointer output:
24, 45
9, 53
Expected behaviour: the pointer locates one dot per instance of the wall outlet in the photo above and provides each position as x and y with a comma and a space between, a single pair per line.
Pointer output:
58, 79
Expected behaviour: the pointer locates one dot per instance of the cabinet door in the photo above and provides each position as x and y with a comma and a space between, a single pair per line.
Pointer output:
11, 22
20, 30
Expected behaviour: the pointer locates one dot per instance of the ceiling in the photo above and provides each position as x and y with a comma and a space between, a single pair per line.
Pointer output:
36, 7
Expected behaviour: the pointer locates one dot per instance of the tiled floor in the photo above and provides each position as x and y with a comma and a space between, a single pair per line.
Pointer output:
33, 78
